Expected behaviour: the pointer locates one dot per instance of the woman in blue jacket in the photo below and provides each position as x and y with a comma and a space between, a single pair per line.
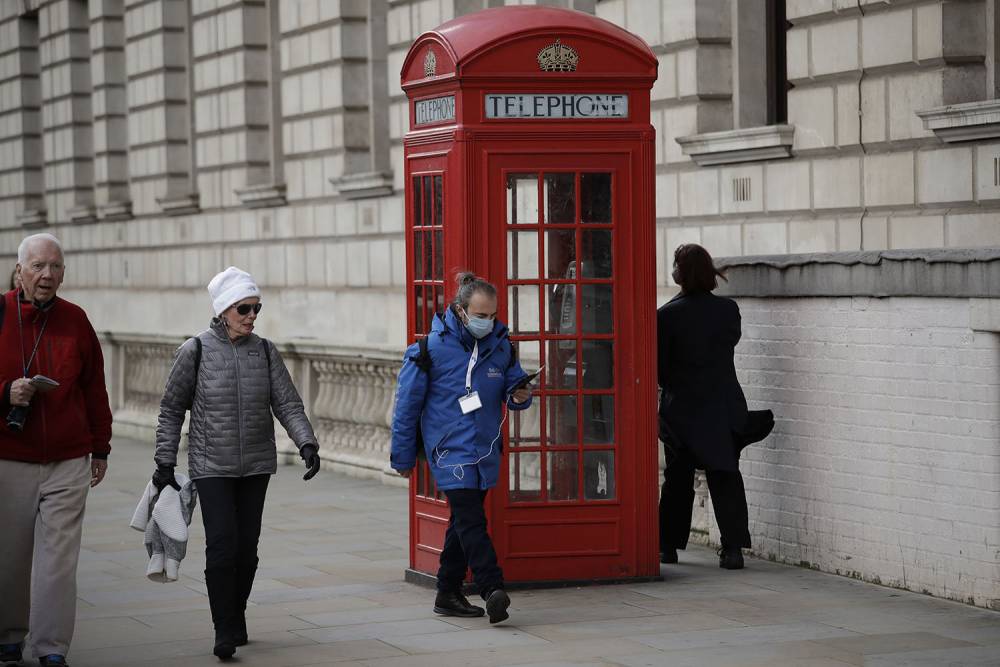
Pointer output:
454, 395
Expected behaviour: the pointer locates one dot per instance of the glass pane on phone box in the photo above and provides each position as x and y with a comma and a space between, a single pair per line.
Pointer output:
562, 477
598, 420
524, 426
598, 364
428, 256
560, 426
417, 203
595, 198
560, 308
419, 310
599, 475
418, 255
595, 251
525, 476
561, 364
421, 479
438, 300
560, 253
522, 255
560, 200
528, 354
426, 196
598, 315
438, 210
522, 305
438, 254
522, 199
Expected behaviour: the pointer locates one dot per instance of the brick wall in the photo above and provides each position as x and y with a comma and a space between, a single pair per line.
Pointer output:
885, 460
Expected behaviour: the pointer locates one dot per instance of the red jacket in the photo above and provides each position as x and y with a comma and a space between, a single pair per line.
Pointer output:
73, 419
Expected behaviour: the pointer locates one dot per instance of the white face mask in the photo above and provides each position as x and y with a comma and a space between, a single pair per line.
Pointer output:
479, 327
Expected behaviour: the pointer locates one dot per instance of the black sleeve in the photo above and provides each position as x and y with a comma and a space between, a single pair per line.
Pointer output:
662, 347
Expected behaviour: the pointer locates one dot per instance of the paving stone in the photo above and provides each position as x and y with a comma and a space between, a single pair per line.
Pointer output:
330, 592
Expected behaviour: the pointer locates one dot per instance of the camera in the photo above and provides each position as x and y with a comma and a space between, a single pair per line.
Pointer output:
16, 417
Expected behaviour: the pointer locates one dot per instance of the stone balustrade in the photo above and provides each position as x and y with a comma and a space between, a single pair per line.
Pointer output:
348, 396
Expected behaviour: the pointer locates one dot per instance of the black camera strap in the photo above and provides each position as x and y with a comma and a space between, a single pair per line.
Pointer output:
20, 331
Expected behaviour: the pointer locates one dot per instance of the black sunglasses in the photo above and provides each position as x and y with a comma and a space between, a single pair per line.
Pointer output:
245, 308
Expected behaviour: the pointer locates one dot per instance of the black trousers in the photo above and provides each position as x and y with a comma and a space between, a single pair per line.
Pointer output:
231, 510
468, 545
729, 500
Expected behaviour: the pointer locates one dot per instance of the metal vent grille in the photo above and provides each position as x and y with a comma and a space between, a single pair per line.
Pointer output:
742, 189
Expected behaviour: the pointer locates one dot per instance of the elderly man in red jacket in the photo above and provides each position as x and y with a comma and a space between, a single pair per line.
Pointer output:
54, 444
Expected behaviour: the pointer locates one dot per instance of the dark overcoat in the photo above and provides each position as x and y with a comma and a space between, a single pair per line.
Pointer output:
702, 407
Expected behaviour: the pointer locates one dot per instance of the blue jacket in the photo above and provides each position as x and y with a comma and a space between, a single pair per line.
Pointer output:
458, 446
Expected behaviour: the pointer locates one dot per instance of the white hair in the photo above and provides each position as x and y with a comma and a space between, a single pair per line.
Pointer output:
22, 250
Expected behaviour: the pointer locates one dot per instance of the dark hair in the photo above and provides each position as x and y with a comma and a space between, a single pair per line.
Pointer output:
694, 270
468, 284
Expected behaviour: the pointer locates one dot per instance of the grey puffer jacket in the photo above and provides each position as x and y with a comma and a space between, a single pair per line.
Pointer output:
231, 433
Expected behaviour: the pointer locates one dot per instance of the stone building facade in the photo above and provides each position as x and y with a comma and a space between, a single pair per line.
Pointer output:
843, 156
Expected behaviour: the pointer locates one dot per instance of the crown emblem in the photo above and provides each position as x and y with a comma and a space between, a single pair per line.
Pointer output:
430, 63
558, 57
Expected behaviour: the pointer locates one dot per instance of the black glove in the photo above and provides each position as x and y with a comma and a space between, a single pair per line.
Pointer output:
310, 454
164, 476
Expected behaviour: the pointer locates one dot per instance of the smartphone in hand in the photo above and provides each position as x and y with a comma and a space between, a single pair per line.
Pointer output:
42, 383
527, 379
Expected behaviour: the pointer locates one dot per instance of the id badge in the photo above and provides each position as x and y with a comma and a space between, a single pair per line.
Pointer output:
470, 403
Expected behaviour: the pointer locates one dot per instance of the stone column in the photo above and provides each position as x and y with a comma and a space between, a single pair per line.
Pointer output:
67, 116
324, 94
232, 107
373, 178
107, 70
21, 190
157, 63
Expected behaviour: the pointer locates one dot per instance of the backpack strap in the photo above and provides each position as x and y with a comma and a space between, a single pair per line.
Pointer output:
423, 359
267, 353
197, 368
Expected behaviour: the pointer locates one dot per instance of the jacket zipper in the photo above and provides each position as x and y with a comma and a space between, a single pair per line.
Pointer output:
239, 401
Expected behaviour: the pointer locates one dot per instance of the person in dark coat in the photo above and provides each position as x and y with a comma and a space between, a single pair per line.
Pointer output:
702, 408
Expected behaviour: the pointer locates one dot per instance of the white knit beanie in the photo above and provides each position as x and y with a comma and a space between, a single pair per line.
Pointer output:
230, 286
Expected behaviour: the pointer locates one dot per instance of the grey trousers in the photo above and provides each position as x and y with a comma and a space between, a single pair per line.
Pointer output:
41, 519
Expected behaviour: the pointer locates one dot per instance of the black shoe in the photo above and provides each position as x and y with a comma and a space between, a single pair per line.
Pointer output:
455, 604
240, 633
53, 660
221, 585
496, 606
731, 558
668, 556
245, 571
11, 654
225, 646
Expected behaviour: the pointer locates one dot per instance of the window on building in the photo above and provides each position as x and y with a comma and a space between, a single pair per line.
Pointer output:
760, 91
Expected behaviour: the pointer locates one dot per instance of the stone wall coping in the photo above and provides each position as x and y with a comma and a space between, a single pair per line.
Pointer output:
293, 347
767, 142
943, 273
963, 122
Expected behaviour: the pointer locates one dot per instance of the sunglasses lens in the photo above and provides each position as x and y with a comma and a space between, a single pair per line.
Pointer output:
244, 309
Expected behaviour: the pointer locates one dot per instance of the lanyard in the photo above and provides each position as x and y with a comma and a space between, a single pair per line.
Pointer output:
20, 331
472, 364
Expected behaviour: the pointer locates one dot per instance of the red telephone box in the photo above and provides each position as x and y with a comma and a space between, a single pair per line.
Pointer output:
530, 160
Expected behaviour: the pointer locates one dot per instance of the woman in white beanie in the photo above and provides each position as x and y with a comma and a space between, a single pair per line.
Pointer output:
232, 381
